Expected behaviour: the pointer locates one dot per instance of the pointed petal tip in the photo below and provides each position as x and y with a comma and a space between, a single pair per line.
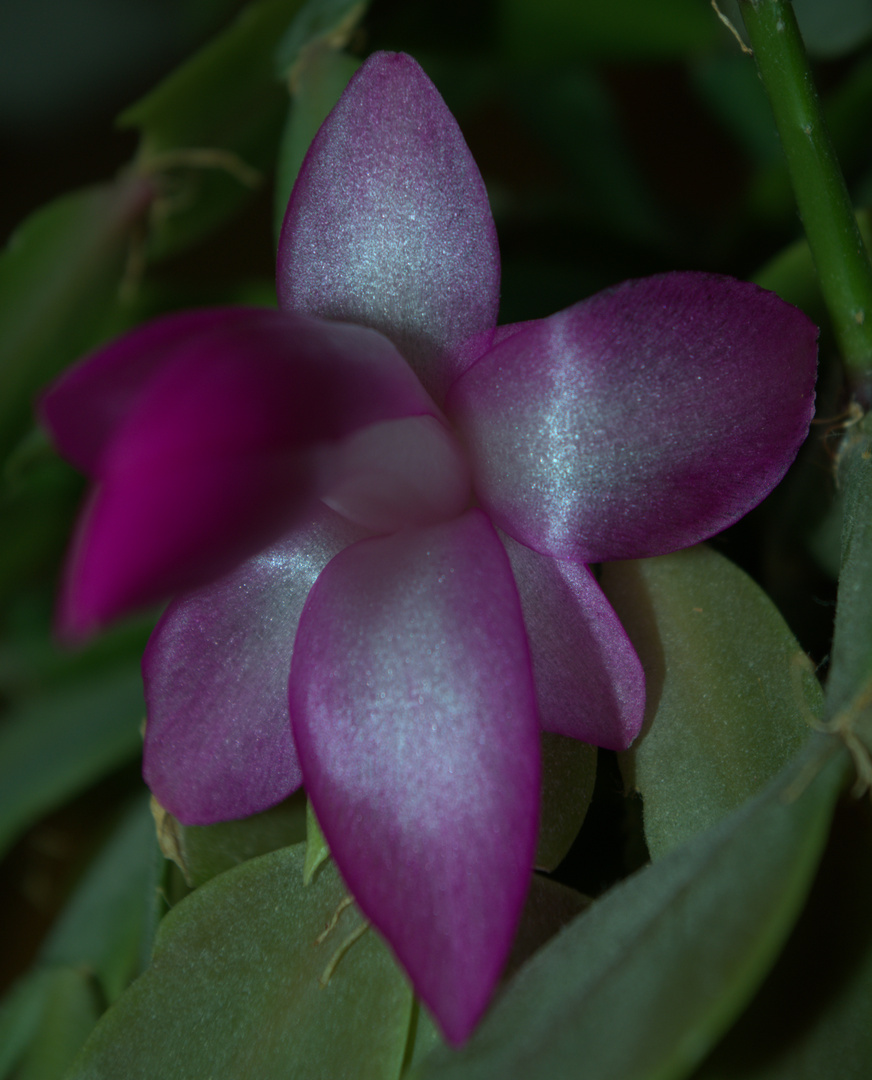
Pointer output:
414, 716
389, 223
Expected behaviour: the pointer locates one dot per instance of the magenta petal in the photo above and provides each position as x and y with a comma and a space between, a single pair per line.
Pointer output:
412, 705
216, 458
84, 408
389, 223
642, 420
218, 743
589, 681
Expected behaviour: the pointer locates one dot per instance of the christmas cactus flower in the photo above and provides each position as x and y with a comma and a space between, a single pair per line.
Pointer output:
376, 512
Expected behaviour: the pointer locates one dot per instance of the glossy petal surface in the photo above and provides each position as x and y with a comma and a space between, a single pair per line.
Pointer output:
412, 704
218, 743
389, 224
641, 420
589, 681
216, 458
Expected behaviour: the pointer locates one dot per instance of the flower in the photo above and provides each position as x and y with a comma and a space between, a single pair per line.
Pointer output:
377, 510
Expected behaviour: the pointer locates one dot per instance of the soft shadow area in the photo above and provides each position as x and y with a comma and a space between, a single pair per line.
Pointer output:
812, 1017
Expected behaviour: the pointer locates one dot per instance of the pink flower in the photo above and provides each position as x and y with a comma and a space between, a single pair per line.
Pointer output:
374, 505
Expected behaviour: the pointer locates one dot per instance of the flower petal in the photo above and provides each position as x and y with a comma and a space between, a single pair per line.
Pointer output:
218, 742
85, 406
413, 711
639, 421
589, 681
389, 223
218, 456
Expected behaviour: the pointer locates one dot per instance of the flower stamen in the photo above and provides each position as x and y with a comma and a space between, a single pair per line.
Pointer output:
343, 904
343, 948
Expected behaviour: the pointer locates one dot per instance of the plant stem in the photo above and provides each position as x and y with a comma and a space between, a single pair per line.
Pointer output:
841, 259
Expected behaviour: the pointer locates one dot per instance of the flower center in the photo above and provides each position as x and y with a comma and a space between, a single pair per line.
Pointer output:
398, 473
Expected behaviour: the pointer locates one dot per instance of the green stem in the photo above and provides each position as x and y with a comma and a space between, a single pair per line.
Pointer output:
841, 259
